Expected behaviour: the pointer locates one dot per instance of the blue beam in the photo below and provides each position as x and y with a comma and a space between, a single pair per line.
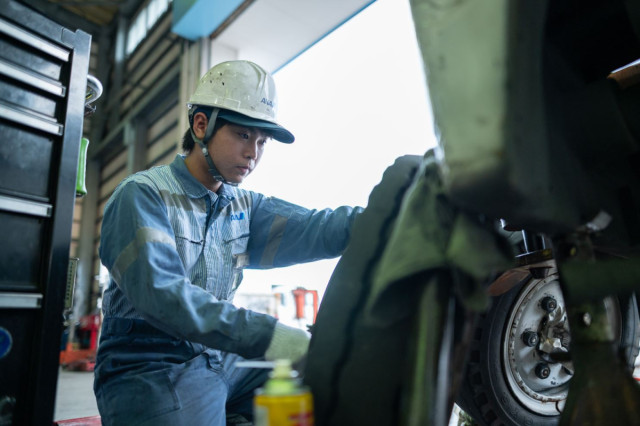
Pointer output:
193, 19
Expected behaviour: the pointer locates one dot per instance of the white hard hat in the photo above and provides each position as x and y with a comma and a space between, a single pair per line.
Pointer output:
245, 88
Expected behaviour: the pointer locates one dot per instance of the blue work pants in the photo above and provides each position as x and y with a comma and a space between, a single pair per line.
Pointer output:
146, 377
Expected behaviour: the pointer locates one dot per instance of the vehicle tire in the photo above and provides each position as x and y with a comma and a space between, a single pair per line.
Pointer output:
501, 386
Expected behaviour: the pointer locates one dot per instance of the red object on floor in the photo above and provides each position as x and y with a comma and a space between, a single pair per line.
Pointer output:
72, 356
83, 359
80, 365
91, 323
300, 295
83, 421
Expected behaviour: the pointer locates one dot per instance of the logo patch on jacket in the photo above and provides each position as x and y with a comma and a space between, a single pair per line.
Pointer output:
237, 216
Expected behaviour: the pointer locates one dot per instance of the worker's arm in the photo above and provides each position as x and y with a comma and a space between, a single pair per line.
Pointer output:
284, 234
138, 247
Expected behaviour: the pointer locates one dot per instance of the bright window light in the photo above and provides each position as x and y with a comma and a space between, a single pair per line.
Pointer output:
355, 101
144, 21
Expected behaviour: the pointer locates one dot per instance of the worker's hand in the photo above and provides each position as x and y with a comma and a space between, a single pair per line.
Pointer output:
287, 343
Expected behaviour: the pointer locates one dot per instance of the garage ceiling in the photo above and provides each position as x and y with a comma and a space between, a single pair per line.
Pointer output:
272, 32
92, 16
97, 12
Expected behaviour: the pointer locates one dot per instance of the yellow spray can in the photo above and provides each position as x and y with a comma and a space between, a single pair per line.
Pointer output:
283, 401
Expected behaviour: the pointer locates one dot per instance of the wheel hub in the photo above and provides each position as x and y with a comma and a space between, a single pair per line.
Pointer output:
554, 332
536, 341
538, 330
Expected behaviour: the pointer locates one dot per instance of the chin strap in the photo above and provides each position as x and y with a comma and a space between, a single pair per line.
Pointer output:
213, 170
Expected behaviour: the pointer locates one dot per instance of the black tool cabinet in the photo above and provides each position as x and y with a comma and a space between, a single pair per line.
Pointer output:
43, 79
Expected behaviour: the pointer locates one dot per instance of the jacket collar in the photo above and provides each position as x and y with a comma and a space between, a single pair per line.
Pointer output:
195, 189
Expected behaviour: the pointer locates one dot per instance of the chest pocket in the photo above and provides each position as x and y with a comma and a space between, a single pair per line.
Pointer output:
237, 238
189, 248
238, 250
188, 217
237, 244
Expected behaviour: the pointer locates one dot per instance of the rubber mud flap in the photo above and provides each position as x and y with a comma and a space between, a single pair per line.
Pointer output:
353, 368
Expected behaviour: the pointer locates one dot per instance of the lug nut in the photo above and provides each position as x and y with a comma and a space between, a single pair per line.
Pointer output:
549, 304
542, 370
530, 338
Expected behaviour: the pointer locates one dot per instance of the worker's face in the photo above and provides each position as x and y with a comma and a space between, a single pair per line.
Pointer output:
236, 150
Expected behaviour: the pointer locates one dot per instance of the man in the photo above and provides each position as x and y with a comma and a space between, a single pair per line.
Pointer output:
175, 239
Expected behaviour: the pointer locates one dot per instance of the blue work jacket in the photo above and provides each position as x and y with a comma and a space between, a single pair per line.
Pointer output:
175, 252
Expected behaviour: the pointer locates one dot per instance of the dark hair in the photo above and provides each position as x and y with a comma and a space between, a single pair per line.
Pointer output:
187, 140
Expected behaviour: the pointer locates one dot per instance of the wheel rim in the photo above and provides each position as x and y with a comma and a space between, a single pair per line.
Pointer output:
537, 380
543, 395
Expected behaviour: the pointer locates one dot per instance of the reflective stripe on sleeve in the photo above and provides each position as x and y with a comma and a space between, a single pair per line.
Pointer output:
275, 238
130, 252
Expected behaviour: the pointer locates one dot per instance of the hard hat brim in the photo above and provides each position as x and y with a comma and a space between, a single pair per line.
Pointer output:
276, 131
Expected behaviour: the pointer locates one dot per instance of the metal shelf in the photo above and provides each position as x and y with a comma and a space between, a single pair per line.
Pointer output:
12, 113
33, 41
20, 300
32, 79
32, 208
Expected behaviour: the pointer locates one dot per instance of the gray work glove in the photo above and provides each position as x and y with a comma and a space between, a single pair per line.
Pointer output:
287, 343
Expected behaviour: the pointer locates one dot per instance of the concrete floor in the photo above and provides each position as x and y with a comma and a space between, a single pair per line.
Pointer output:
74, 397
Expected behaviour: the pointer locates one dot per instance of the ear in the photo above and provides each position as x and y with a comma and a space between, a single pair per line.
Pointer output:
200, 122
